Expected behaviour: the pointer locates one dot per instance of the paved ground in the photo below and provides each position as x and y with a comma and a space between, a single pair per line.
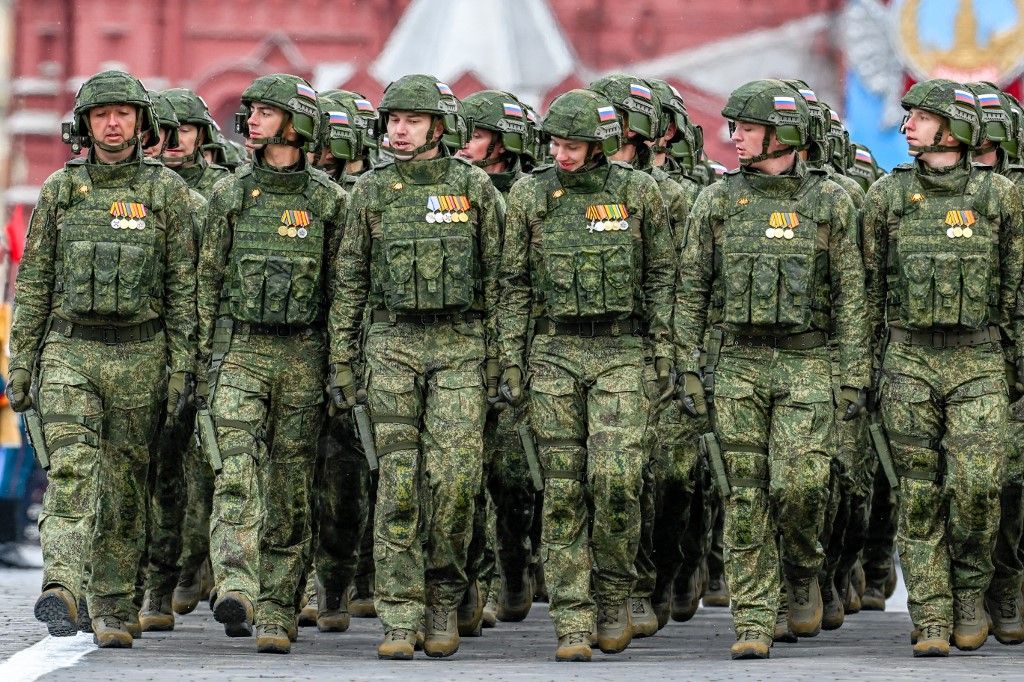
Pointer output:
871, 646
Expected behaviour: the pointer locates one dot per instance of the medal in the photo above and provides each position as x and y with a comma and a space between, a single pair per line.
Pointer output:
958, 231
283, 231
949, 233
429, 217
968, 232
302, 232
788, 234
770, 233
447, 216
292, 231
114, 223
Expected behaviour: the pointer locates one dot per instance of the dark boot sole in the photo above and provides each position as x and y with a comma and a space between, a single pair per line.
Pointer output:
186, 603
232, 614
273, 648
112, 642
395, 657
52, 610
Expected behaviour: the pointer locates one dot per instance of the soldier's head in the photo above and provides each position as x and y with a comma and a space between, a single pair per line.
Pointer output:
819, 143
582, 126
113, 113
279, 109
196, 126
996, 122
346, 130
168, 131
864, 169
416, 112
500, 130
768, 119
942, 117
679, 137
639, 110
842, 148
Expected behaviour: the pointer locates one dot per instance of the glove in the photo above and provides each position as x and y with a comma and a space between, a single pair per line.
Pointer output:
19, 390
693, 395
202, 393
492, 371
512, 385
852, 402
179, 390
343, 386
666, 379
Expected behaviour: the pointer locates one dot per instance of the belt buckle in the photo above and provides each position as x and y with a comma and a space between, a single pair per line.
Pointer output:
616, 328
938, 339
110, 335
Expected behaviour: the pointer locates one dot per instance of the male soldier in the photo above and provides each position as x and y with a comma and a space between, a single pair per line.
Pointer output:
864, 169
942, 244
420, 252
776, 268
588, 261
105, 311
271, 232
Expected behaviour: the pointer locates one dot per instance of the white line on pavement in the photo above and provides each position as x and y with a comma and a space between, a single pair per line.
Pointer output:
45, 656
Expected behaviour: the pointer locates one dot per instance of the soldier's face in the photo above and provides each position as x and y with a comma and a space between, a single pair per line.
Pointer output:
188, 138
748, 138
920, 128
569, 155
161, 139
476, 148
266, 120
113, 123
408, 130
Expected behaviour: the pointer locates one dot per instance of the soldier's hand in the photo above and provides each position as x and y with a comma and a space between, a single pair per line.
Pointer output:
179, 390
852, 402
202, 393
512, 385
693, 395
492, 372
343, 386
19, 390
666, 377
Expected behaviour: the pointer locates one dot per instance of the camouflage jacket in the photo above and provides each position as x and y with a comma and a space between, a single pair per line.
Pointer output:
202, 176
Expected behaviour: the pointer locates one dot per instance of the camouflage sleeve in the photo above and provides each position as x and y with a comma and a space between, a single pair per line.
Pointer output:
180, 279
874, 247
492, 219
659, 265
514, 275
695, 273
849, 301
213, 255
34, 286
1011, 256
334, 222
351, 276
679, 198
197, 206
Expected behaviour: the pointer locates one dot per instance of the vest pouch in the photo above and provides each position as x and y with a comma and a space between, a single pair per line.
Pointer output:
130, 271
248, 307
302, 303
590, 281
947, 289
429, 265
737, 268
618, 280
974, 301
561, 269
764, 294
104, 276
919, 301
400, 256
78, 267
459, 275
794, 294
276, 291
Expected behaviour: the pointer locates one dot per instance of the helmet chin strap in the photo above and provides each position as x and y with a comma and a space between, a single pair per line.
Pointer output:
278, 138
935, 146
135, 139
765, 154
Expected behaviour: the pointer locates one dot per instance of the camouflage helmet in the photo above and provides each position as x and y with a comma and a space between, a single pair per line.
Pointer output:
166, 118
842, 148
995, 115
366, 115
584, 115
683, 146
191, 109
952, 101
819, 122
501, 113
771, 103
235, 153
111, 87
338, 126
293, 95
865, 169
1015, 145
636, 100
537, 147
428, 95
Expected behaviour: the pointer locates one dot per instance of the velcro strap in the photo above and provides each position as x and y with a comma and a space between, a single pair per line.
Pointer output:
567, 474
236, 424
926, 443
397, 447
559, 443
396, 419
237, 450
740, 447
64, 419
919, 474
63, 441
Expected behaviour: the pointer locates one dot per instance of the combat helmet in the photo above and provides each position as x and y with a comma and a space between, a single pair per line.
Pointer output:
502, 114
865, 169
842, 148
636, 102
688, 141
293, 95
997, 126
339, 131
771, 103
584, 115
952, 101
190, 108
425, 94
166, 118
111, 87
819, 123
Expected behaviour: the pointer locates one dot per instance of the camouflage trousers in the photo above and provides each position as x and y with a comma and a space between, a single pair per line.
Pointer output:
195, 526
100, 405
1007, 558
589, 412
774, 420
880, 537
427, 402
268, 410
945, 411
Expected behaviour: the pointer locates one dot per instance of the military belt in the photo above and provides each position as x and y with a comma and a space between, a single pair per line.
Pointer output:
144, 331
588, 329
944, 339
804, 341
382, 315
252, 329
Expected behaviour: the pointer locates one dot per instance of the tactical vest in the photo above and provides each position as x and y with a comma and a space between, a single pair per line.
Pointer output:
943, 257
589, 249
275, 267
110, 245
774, 257
426, 251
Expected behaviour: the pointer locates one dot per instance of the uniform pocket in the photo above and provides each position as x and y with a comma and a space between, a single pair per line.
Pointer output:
250, 281
460, 275
303, 302
947, 289
278, 287
131, 268
974, 305
400, 256
561, 272
590, 280
918, 270
429, 264
764, 296
737, 268
618, 280
794, 295
78, 267
104, 272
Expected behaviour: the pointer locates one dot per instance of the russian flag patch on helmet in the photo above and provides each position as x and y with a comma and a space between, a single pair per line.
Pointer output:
305, 91
640, 90
864, 155
963, 96
512, 109
808, 94
443, 88
785, 103
606, 113
363, 105
988, 99
338, 118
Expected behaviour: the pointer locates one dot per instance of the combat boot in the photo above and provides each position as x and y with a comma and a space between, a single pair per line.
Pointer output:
574, 647
1004, 607
234, 611
661, 602
58, 609
333, 615
932, 640
782, 631
442, 635
271, 638
717, 593
515, 596
397, 645
970, 627
750, 645
109, 632
614, 631
84, 620
490, 617
833, 611
873, 599
858, 578
891, 580
852, 600
308, 612
470, 611
187, 593
156, 614
133, 626
686, 600
805, 608
360, 601
641, 615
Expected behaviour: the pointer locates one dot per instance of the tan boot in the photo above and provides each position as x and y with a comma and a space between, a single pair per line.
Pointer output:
360, 599
134, 627
970, 625
110, 633
442, 635
932, 640
717, 593
614, 631
685, 602
873, 599
641, 615
805, 607
333, 615
187, 593
490, 616
397, 645
308, 612
574, 648
782, 631
156, 614
58, 608
84, 620
833, 611
235, 612
272, 639
1004, 606
515, 597
851, 600
470, 611
750, 645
